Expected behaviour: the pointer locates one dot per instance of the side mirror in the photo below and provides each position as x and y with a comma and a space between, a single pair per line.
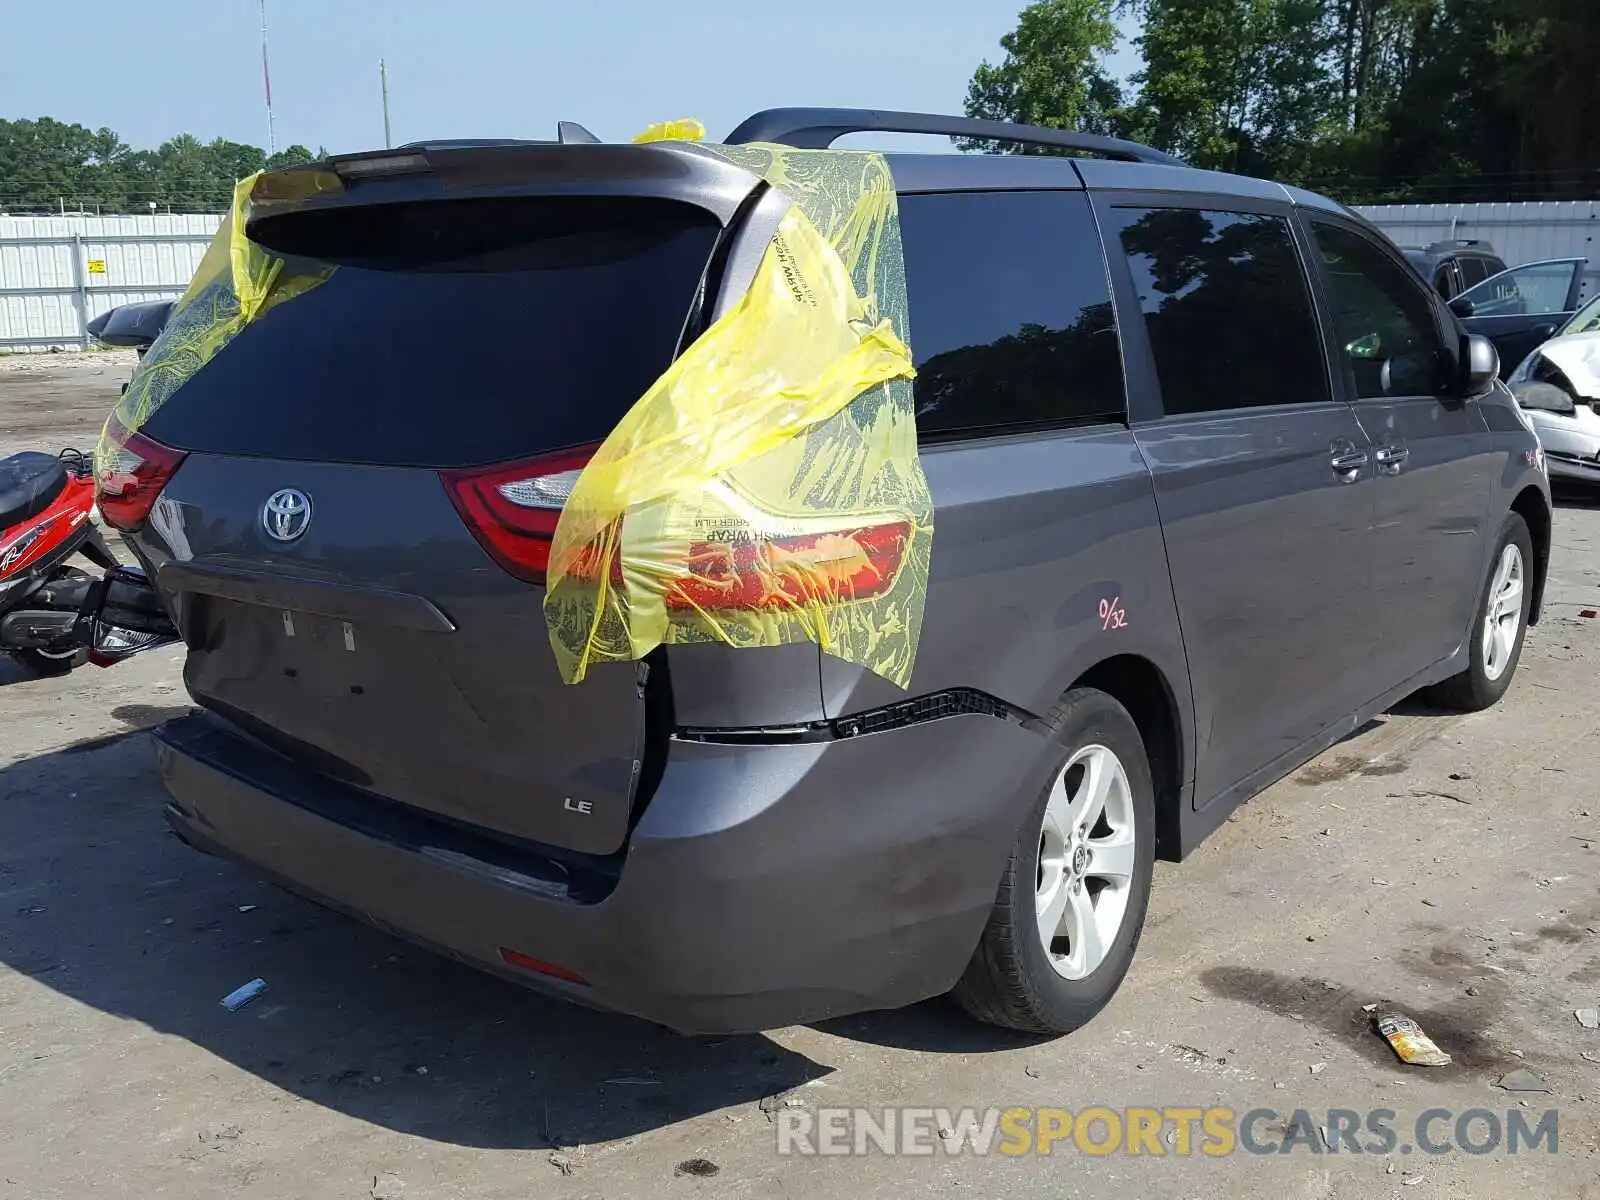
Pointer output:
1462, 307
1480, 365
1546, 397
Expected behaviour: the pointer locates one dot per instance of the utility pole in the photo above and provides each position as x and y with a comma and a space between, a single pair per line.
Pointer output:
383, 81
266, 81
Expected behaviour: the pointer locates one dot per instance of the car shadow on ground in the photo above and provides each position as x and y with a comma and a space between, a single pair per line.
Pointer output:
1572, 495
107, 908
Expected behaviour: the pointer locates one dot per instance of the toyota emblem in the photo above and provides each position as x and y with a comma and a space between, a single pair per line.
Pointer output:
286, 514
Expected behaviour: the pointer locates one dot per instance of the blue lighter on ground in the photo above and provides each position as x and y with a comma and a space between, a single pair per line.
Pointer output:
239, 997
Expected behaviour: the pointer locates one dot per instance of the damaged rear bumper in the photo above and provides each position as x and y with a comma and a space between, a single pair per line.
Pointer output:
763, 886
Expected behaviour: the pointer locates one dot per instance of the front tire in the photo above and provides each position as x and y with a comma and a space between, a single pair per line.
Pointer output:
1495, 647
1073, 897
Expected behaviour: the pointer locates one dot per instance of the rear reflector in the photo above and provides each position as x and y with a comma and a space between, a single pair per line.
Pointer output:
512, 509
783, 572
527, 962
129, 475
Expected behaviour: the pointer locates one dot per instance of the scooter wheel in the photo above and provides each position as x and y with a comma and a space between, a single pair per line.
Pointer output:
51, 662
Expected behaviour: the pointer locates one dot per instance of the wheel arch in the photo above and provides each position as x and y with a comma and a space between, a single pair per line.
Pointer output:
1532, 507
1145, 691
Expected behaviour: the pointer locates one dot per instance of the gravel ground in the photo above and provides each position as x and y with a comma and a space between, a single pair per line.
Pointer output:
1440, 864
48, 401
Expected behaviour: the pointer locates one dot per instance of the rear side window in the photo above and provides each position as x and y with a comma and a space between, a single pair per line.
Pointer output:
1227, 307
452, 333
1011, 318
1473, 271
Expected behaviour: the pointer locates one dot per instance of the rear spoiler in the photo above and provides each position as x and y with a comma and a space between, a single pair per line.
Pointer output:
679, 171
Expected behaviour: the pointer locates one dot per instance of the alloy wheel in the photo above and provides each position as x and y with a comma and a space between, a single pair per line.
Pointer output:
1502, 622
1086, 859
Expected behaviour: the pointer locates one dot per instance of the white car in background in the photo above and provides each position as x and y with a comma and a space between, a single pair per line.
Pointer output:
1558, 386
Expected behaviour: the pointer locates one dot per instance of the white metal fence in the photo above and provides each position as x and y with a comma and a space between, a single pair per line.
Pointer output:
1520, 233
58, 273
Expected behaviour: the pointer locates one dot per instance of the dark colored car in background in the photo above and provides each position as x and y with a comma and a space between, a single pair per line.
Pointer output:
1217, 479
1455, 264
1522, 307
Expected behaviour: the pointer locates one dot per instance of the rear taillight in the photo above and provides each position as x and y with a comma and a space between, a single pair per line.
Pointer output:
129, 472
512, 509
786, 572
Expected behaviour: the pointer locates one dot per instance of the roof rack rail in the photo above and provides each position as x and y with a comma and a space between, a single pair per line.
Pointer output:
819, 128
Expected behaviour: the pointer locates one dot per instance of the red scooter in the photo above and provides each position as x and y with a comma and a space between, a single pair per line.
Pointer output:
54, 617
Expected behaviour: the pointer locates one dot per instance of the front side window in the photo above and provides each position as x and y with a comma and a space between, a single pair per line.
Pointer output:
1383, 319
1533, 290
1227, 308
1011, 318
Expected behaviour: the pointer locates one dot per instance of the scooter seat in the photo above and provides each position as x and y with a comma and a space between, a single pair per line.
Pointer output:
29, 484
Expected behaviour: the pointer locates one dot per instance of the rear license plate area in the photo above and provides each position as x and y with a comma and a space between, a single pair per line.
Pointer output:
276, 652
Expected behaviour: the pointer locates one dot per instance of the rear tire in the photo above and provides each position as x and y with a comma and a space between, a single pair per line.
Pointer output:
1073, 897
1495, 646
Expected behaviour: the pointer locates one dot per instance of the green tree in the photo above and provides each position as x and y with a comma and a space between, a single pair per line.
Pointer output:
1052, 74
1365, 99
1241, 85
46, 165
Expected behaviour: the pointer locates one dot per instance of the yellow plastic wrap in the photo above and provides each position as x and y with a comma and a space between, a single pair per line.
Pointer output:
686, 130
766, 489
236, 282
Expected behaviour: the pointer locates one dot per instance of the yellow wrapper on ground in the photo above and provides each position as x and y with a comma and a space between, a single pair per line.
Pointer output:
1410, 1042
766, 490
236, 283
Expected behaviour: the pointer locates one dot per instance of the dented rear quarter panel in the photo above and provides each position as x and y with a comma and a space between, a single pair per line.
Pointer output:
1033, 535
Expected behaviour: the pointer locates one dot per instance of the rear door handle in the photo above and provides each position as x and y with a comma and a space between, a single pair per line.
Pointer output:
1391, 458
1347, 464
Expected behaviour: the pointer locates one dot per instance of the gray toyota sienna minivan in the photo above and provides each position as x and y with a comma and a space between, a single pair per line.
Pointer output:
1217, 478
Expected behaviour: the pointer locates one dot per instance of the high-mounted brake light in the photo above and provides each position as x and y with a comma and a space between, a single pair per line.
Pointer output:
129, 475
512, 508
375, 167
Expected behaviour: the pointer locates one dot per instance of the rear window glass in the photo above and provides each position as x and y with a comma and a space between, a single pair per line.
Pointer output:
453, 333
1473, 271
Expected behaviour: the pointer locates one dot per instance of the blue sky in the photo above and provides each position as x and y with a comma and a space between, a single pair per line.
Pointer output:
480, 68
